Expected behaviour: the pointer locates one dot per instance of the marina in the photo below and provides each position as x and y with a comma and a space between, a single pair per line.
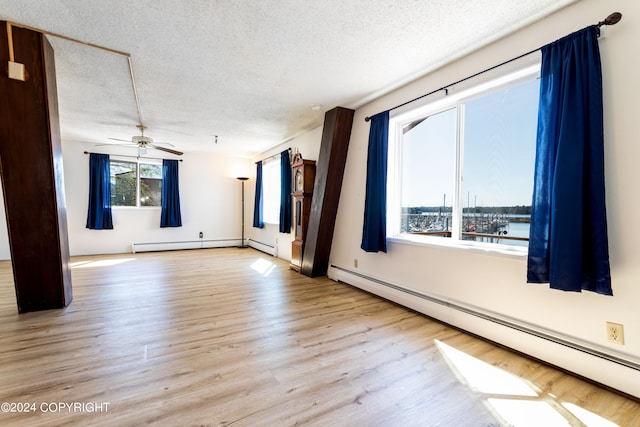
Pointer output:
509, 229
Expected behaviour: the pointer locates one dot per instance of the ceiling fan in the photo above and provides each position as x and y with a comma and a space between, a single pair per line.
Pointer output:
144, 142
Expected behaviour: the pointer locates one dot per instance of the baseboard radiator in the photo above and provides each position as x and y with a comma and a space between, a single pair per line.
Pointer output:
187, 244
264, 247
546, 345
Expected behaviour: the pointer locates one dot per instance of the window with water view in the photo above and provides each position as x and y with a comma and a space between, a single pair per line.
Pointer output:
465, 169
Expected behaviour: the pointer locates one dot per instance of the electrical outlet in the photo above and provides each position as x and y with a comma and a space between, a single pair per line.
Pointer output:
615, 333
201, 235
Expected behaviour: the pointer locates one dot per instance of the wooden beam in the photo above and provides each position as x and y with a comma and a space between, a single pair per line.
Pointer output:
326, 190
32, 174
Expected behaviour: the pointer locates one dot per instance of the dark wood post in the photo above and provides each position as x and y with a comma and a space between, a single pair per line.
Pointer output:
32, 175
326, 190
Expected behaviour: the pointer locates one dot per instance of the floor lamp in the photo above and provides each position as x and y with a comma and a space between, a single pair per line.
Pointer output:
242, 179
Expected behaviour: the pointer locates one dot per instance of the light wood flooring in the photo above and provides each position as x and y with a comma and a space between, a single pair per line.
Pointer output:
232, 337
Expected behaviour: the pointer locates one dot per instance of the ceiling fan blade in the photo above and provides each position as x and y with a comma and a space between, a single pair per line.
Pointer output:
123, 140
168, 150
167, 144
129, 144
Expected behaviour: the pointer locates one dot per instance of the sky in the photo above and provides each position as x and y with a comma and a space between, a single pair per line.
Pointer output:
498, 140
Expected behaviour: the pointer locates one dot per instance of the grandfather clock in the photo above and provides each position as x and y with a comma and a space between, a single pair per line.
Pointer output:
303, 175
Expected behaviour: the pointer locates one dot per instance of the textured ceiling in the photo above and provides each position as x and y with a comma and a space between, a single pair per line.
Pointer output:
249, 70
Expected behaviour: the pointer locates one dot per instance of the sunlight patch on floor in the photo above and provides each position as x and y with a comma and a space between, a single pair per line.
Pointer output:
518, 402
263, 266
100, 263
483, 377
587, 417
528, 413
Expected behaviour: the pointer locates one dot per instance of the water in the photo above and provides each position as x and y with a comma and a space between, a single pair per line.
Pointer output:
518, 229
429, 221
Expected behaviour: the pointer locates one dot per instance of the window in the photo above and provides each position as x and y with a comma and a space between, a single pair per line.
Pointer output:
271, 191
462, 168
150, 184
135, 183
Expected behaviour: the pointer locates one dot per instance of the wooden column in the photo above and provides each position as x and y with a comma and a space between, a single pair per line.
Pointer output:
326, 190
32, 174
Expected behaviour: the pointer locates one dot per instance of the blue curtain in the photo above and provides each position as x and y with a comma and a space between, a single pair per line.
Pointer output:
170, 215
285, 192
374, 233
99, 214
568, 246
257, 205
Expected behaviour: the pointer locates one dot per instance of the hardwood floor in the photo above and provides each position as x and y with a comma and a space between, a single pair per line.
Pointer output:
233, 337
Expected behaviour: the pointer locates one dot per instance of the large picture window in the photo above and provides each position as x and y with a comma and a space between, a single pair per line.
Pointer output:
135, 184
462, 168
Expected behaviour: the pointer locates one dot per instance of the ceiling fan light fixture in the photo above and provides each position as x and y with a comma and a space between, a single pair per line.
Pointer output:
141, 140
142, 151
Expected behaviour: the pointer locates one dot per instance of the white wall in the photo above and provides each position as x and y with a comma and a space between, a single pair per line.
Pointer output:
308, 144
495, 283
210, 198
210, 202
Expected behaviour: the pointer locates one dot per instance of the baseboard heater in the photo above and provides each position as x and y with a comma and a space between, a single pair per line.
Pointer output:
264, 247
498, 320
187, 244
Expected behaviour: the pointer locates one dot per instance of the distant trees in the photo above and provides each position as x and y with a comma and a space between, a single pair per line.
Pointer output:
509, 210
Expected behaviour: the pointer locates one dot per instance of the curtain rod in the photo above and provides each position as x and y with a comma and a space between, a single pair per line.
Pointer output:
274, 156
612, 19
135, 157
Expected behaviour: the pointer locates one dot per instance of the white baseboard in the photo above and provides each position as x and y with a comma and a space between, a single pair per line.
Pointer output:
264, 247
190, 244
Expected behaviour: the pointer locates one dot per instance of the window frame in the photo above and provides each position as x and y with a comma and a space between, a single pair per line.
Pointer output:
137, 162
454, 98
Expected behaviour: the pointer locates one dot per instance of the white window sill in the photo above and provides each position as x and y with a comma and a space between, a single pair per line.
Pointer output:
444, 242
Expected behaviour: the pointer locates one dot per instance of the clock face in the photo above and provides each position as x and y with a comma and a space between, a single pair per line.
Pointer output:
299, 183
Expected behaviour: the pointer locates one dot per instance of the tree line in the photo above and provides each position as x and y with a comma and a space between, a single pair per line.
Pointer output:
503, 210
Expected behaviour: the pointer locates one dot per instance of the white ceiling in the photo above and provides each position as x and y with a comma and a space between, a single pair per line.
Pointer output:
249, 70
